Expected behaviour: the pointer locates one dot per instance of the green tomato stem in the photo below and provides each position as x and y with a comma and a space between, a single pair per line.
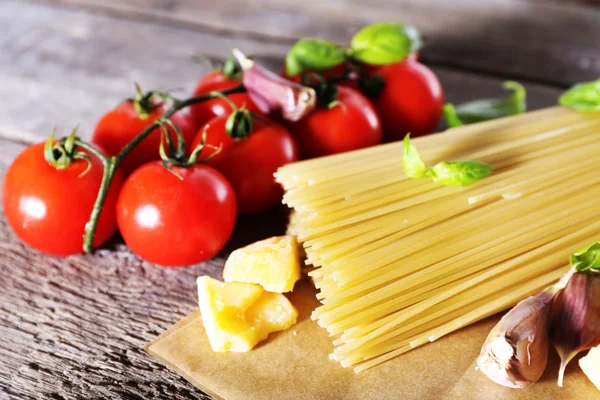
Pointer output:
111, 164
90, 228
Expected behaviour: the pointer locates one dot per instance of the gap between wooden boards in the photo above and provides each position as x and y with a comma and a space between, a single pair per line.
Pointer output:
548, 43
64, 66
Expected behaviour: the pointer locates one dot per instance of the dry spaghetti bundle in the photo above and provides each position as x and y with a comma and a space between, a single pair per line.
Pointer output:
400, 262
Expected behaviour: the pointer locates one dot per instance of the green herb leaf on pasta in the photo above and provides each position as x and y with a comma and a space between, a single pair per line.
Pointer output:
488, 109
582, 97
458, 173
313, 54
447, 173
411, 160
384, 43
587, 258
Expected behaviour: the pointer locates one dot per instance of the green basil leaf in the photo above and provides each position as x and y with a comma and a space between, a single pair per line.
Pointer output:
587, 258
448, 173
384, 43
458, 173
582, 97
313, 55
411, 160
451, 117
488, 109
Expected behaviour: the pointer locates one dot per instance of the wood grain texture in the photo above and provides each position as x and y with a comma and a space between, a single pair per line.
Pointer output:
67, 67
544, 41
74, 327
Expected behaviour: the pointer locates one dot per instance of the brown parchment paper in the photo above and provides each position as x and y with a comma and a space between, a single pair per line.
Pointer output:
294, 364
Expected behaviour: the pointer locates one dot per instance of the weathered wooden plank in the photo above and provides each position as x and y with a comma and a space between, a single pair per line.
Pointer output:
550, 42
68, 67
74, 327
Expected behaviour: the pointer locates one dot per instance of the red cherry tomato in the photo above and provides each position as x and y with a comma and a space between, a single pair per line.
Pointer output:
216, 81
350, 125
411, 100
250, 163
119, 126
207, 110
48, 208
176, 222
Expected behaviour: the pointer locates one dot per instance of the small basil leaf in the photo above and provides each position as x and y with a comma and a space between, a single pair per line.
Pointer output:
488, 109
384, 43
582, 97
452, 119
458, 173
411, 160
313, 54
587, 258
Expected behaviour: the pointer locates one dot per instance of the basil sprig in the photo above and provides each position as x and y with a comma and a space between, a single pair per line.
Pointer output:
582, 97
413, 164
376, 44
488, 109
458, 173
587, 258
385, 43
447, 173
313, 54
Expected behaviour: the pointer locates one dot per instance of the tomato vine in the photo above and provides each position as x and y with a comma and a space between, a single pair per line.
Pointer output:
110, 164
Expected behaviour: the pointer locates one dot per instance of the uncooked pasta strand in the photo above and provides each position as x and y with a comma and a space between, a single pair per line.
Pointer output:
400, 261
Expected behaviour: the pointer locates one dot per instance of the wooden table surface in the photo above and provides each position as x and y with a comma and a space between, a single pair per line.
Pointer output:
73, 327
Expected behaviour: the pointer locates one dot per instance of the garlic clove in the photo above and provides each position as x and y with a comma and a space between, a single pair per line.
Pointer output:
515, 352
270, 92
575, 321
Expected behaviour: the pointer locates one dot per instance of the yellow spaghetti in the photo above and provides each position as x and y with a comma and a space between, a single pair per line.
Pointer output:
401, 262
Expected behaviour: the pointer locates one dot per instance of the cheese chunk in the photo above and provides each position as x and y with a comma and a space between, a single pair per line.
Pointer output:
237, 316
590, 364
273, 312
273, 263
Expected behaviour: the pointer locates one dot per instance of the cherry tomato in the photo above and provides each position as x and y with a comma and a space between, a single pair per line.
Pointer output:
119, 126
352, 124
216, 81
250, 163
411, 100
205, 111
48, 208
176, 221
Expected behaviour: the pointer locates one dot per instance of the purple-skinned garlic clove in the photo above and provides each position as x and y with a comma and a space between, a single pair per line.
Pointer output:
575, 324
515, 352
270, 92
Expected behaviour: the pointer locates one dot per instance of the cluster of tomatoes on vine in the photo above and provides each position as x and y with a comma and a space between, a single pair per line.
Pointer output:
173, 175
